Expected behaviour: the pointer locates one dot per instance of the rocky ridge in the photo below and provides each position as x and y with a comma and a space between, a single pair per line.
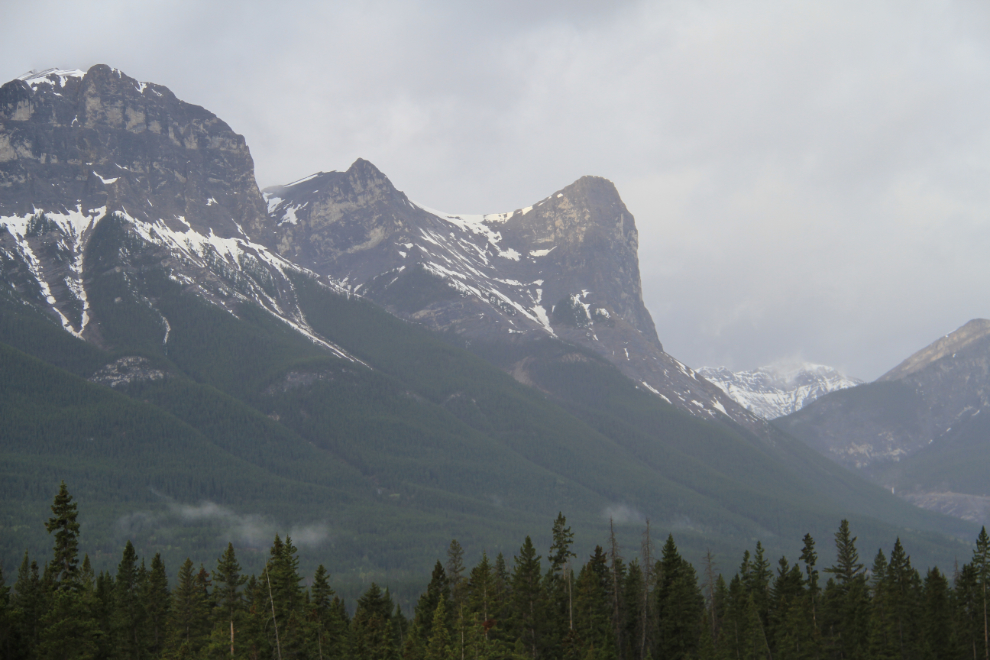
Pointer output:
565, 267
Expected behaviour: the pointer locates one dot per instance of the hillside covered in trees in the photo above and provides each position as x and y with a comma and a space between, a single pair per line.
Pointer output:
611, 605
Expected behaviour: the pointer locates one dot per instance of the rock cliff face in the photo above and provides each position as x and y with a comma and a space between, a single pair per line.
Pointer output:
165, 185
914, 405
102, 139
565, 267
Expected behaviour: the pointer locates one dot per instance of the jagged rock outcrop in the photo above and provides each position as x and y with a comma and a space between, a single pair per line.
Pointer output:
567, 267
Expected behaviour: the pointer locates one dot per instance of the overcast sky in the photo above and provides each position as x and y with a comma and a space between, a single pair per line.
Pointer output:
810, 180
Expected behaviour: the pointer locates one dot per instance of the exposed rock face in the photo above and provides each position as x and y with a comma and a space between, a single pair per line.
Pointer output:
566, 267
778, 390
912, 406
168, 184
102, 139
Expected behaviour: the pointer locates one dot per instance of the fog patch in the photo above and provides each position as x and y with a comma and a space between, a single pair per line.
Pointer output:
622, 514
253, 530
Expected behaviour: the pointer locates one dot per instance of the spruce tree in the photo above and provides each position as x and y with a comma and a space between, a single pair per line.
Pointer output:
371, 628
529, 606
156, 598
439, 647
227, 595
189, 614
939, 641
680, 606
65, 553
128, 619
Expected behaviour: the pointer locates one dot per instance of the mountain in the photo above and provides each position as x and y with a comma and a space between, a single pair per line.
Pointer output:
918, 428
166, 353
780, 389
566, 267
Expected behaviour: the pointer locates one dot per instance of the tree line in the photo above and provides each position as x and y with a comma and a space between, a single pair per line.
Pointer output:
604, 608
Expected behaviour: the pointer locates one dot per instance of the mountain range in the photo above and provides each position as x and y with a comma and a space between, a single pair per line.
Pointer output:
199, 360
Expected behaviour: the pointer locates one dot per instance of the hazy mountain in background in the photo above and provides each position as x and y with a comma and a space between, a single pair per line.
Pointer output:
918, 428
779, 389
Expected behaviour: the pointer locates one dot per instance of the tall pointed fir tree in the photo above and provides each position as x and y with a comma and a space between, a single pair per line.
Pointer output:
127, 622
680, 606
189, 615
228, 601
68, 627
846, 605
529, 605
156, 598
371, 627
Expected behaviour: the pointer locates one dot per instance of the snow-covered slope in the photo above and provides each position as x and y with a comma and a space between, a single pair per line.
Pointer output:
778, 390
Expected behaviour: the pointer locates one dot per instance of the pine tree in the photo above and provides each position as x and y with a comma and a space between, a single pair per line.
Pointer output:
128, 618
680, 606
321, 595
189, 614
810, 558
228, 596
939, 642
593, 610
439, 647
28, 605
156, 598
904, 593
847, 598
458, 591
529, 605
65, 553
881, 627
371, 628
560, 577
436, 591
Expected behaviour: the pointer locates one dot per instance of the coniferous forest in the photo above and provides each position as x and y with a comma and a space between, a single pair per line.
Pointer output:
614, 604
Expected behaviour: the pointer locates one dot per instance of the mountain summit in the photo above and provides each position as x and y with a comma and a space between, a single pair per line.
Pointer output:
566, 267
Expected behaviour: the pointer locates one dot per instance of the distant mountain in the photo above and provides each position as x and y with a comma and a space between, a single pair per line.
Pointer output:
199, 368
778, 390
918, 428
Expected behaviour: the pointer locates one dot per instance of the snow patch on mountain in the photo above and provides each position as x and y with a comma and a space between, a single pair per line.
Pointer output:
779, 389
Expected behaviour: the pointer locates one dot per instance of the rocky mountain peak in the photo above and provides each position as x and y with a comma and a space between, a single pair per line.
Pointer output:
103, 140
950, 344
